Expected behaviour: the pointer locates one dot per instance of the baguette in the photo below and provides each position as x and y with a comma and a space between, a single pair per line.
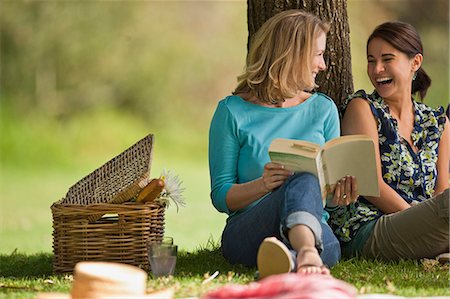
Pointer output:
151, 191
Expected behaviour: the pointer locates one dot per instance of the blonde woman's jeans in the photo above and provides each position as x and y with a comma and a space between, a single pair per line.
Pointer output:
297, 201
421, 231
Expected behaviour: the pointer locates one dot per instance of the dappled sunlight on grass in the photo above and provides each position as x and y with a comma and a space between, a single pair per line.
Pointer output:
24, 275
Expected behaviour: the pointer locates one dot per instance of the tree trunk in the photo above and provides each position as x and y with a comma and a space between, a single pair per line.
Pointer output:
336, 81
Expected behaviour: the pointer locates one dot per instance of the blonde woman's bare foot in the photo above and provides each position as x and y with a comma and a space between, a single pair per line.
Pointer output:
309, 262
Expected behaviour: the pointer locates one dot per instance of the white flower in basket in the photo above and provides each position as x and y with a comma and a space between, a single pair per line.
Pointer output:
172, 190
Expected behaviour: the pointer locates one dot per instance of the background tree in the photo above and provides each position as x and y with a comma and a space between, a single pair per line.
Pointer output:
336, 81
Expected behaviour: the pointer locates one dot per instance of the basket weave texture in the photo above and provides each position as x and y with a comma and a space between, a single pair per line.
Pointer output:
117, 180
96, 221
120, 238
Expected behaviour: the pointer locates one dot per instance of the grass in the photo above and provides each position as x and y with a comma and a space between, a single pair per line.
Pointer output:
30, 186
26, 217
25, 275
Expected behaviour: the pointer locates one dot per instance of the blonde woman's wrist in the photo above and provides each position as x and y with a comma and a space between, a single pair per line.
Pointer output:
263, 189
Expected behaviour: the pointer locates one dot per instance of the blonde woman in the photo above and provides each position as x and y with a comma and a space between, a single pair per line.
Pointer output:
276, 218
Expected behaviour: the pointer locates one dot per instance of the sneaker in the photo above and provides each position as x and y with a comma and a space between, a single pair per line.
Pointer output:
273, 258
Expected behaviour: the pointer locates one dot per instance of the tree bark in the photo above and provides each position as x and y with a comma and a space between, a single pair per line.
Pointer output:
336, 81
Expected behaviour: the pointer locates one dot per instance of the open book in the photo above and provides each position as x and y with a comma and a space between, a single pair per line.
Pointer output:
347, 155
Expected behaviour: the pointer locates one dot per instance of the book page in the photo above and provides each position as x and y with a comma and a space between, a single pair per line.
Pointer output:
295, 163
295, 147
299, 156
355, 156
344, 139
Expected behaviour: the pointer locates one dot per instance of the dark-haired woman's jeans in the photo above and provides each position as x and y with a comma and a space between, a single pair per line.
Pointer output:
297, 201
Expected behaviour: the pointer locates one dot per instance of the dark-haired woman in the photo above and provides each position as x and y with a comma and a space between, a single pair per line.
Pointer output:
410, 219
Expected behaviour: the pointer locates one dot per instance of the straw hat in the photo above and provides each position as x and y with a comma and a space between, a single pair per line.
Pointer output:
104, 280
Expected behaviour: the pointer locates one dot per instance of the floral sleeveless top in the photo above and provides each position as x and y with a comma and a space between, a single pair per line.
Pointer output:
412, 175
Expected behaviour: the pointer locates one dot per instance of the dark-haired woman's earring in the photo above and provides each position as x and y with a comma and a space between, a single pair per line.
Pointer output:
414, 76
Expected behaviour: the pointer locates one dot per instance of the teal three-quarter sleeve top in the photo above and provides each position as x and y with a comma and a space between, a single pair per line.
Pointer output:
241, 132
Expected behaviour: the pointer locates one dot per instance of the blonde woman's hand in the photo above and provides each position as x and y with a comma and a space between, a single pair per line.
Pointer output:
274, 176
345, 192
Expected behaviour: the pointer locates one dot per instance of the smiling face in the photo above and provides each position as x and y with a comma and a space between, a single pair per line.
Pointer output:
390, 70
318, 63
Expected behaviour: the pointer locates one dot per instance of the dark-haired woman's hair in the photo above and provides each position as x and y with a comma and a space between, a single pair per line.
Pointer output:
404, 37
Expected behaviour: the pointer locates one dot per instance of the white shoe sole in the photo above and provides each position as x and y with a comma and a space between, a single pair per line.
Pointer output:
273, 258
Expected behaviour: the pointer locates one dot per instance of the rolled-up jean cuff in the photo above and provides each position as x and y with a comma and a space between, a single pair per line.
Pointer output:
308, 220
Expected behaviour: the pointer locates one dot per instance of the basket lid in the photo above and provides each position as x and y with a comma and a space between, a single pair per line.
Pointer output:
117, 180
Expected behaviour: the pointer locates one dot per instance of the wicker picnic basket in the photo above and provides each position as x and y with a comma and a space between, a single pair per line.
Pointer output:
96, 221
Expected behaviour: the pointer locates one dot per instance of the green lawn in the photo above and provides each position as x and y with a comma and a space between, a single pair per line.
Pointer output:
27, 219
26, 226
23, 276
28, 190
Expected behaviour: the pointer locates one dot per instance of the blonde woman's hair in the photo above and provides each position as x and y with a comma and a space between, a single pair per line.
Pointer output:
279, 59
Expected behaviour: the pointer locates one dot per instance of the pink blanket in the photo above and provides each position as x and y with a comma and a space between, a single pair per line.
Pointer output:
287, 286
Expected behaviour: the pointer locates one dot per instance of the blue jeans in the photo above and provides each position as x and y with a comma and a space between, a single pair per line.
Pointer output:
297, 201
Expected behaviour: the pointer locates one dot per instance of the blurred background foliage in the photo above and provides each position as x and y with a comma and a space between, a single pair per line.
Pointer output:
80, 81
